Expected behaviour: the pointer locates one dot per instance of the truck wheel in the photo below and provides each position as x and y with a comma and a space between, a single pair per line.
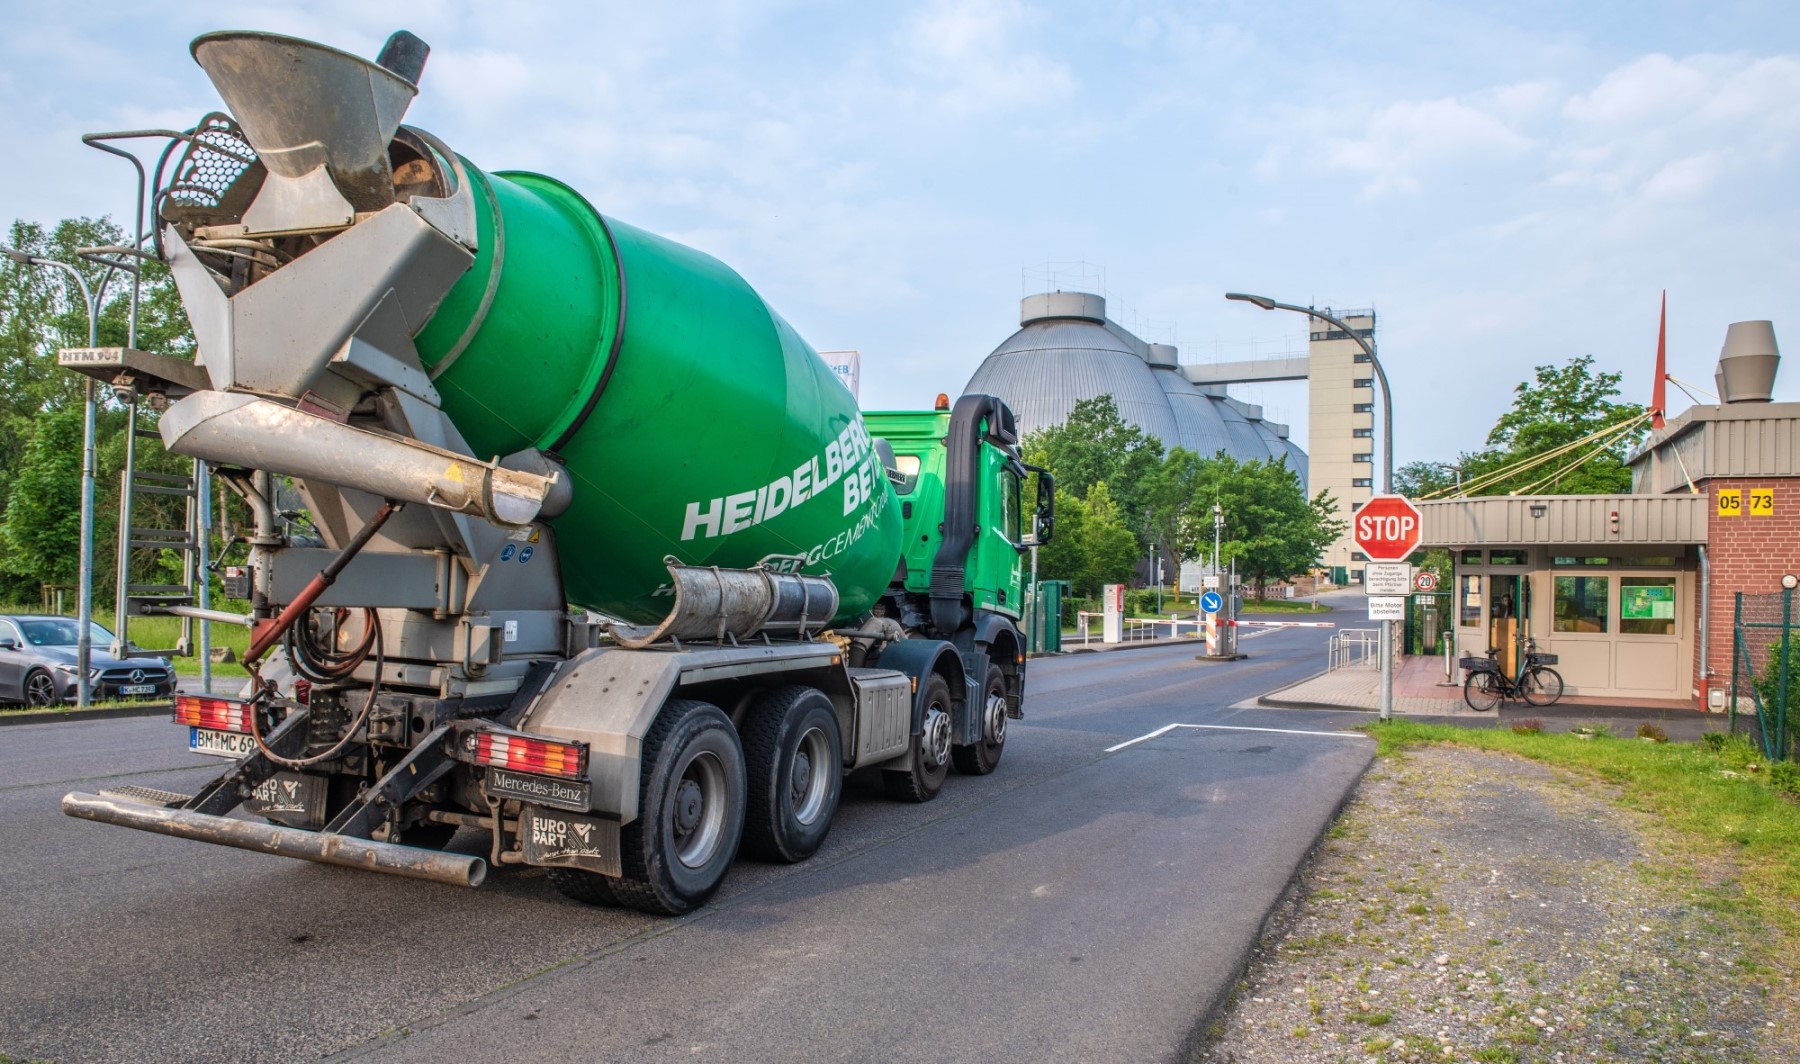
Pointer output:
794, 755
588, 888
929, 758
979, 759
690, 811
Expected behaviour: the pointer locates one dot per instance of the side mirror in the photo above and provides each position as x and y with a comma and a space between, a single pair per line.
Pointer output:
1043, 519
8, 643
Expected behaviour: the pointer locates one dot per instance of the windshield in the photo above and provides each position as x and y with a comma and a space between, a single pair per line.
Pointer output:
61, 632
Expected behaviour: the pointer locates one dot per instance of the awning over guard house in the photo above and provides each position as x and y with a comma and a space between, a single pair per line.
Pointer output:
1571, 520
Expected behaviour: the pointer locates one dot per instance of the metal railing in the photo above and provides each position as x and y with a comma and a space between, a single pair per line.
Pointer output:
1353, 648
1138, 629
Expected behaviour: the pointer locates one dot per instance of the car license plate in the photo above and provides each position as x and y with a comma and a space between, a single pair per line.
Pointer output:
219, 743
138, 689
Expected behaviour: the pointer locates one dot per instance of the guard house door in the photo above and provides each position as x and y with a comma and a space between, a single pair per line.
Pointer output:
1509, 610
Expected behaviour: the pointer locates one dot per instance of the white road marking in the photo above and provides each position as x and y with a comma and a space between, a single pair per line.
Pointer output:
1167, 728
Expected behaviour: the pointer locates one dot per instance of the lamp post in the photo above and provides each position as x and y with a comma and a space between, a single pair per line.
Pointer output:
1387, 460
84, 639
1387, 396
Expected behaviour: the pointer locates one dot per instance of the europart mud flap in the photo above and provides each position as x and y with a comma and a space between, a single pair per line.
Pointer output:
290, 798
569, 840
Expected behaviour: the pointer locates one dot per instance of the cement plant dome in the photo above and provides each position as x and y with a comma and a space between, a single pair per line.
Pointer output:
1067, 350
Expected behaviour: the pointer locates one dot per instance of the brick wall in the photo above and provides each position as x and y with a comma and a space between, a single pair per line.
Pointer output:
1749, 554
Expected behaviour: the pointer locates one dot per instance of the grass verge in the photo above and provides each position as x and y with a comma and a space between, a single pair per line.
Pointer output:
1714, 799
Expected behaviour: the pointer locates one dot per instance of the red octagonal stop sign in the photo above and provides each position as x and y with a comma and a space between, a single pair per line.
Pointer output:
1387, 528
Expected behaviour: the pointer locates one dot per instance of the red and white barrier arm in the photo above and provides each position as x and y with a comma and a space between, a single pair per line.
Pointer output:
1278, 624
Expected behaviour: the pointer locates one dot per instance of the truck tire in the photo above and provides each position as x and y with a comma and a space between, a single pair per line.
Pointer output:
690, 811
981, 758
588, 888
928, 761
794, 755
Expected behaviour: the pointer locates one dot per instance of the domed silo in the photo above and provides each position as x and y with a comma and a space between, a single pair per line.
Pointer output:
1067, 350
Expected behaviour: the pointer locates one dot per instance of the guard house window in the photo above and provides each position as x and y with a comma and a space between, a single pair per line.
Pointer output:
1363, 382
1581, 603
1470, 557
1363, 408
1647, 605
1363, 482
1363, 434
1506, 557
1470, 598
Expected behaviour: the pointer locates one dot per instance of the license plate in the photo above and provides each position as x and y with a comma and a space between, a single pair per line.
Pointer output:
138, 689
219, 743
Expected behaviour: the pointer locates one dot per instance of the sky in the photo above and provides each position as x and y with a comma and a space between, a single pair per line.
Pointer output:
1508, 185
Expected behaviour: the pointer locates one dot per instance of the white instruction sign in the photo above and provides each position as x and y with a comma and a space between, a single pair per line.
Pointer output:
1387, 609
1387, 579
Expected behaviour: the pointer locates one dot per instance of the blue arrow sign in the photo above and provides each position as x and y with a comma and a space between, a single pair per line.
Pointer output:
1211, 602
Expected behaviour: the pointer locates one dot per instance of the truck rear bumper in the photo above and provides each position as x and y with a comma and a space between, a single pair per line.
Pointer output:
457, 870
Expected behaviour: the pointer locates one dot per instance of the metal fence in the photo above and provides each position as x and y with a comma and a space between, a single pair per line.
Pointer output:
1765, 672
1353, 648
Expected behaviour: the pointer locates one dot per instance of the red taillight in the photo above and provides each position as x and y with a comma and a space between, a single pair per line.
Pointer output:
216, 714
538, 756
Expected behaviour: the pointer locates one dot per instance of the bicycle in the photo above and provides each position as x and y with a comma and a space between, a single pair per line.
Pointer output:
1534, 683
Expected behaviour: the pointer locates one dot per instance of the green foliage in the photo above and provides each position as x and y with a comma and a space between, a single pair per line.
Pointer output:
1272, 530
42, 310
1096, 446
43, 513
1092, 546
1559, 406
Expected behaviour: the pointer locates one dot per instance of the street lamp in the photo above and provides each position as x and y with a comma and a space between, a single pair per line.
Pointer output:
84, 639
1387, 396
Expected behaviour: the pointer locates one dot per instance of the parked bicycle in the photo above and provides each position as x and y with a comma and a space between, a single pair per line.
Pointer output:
1534, 682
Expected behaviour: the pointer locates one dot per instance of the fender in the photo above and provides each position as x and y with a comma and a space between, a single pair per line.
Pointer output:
1004, 644
919, 658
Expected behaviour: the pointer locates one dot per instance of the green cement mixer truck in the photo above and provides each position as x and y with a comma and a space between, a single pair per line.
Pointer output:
603, 560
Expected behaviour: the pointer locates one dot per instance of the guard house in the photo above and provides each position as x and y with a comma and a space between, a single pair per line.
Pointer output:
1634, 593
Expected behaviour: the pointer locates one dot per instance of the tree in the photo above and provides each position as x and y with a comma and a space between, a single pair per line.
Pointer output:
41, 311
43, 513
1416, 480
1095, 445
1092, 546
1274, 531
1180, 510
1560, 406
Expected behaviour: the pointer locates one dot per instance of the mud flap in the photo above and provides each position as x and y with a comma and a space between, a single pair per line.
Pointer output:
569, 840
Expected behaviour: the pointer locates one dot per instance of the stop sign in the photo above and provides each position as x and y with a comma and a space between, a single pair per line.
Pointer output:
1387, 528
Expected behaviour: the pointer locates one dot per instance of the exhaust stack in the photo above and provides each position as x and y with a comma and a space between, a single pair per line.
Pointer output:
1747, 362
319, 119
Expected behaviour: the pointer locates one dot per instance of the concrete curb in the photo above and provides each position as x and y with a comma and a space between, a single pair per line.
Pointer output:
152, 709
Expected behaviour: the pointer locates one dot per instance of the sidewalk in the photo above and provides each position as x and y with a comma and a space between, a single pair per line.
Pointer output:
1419, 693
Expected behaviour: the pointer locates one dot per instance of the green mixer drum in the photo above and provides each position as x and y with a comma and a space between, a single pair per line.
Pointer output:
692, 419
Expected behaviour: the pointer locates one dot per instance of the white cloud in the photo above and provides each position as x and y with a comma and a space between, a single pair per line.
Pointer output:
1407, 140
973, 50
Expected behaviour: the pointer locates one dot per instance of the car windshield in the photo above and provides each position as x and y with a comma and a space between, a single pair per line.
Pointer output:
61, 632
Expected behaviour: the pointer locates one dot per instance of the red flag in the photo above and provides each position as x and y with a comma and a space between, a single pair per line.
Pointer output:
1658, 396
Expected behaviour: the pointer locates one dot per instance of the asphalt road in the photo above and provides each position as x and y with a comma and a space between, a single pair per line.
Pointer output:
1076, 905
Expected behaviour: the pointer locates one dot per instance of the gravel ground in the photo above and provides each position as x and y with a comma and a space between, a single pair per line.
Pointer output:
1480, 907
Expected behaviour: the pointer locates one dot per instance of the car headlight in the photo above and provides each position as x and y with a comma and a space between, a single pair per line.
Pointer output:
69, 670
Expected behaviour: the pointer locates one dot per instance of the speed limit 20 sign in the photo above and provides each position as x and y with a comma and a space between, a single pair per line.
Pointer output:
1388, 528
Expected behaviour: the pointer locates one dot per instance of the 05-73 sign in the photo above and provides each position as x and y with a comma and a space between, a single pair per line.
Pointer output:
1388, 528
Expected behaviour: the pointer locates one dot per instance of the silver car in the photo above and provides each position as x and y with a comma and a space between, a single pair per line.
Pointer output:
37, 664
